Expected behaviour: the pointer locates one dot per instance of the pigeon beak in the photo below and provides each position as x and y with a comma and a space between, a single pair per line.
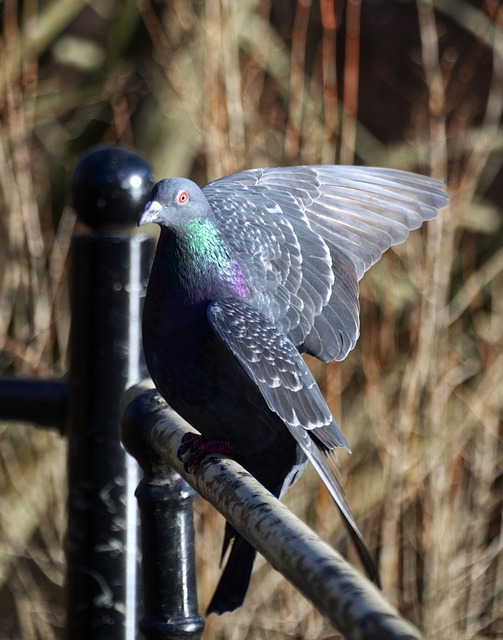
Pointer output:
151, 212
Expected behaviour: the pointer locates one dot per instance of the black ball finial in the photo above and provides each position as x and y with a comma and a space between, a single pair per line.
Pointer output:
110, 186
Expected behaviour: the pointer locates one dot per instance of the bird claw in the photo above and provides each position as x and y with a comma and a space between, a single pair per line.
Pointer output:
195, 447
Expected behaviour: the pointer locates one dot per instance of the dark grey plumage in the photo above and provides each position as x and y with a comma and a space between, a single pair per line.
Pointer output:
249, 272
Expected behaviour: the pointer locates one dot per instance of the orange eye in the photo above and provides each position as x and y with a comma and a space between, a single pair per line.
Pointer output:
182, 197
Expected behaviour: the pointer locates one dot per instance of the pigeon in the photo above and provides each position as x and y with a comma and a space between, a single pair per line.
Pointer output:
250, 272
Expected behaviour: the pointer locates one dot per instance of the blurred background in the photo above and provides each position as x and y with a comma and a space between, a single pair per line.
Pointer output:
202, 89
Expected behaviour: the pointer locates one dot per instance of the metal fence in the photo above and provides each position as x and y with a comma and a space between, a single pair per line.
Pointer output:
105, 598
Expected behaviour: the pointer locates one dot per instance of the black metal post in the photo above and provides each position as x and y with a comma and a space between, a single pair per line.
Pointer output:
110, 269
166, 507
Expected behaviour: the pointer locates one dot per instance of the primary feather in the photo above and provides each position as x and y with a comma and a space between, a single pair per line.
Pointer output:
250, 272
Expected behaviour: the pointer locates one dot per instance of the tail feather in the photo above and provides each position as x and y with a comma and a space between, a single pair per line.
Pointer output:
326, 464
319, 446
234, 581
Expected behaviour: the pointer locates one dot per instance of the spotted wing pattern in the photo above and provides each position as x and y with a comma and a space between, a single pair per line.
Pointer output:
304, 236
275, 366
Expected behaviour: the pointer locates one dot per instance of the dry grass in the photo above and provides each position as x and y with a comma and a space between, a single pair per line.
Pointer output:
209, 88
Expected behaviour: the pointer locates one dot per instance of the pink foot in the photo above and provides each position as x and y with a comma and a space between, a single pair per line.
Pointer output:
195, 447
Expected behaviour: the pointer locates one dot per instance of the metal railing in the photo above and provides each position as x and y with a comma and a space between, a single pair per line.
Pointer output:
105, 600
153, 432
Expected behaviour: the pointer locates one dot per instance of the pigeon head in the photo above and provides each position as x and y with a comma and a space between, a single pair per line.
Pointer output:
199, 252
174, 202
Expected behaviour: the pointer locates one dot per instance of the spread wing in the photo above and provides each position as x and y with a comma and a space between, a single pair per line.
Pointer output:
275, 366
304, 236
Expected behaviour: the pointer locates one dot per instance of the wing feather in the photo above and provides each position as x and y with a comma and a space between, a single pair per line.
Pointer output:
304, 236
275, 366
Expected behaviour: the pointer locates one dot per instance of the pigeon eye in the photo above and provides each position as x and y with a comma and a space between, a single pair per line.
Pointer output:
182, 197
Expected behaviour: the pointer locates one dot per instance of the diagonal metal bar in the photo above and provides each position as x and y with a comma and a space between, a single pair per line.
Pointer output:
152, 432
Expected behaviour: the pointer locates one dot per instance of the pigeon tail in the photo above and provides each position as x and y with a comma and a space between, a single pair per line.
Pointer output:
234, 581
